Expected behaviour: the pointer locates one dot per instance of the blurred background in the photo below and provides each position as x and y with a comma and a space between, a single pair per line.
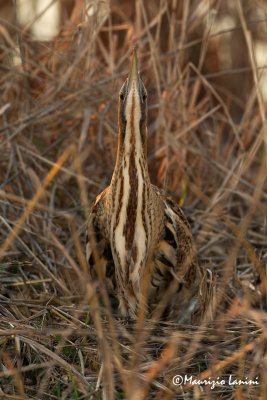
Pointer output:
43, 20
62, 64
192, 55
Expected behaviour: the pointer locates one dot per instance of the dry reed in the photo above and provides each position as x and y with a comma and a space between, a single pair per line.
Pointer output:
207, 147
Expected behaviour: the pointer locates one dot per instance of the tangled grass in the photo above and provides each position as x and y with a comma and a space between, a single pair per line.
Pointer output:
206, 147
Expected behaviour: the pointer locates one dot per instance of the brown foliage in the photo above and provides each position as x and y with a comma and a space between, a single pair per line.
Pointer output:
206, 147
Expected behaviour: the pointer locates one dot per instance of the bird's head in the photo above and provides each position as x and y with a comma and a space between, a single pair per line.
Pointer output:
133, 103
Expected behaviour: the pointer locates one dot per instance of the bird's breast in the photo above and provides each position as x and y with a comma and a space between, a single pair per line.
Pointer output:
131, 224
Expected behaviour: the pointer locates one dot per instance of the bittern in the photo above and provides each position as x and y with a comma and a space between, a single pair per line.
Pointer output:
135, 230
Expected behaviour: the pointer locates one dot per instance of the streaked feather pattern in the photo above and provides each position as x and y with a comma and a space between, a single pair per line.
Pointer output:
135, 230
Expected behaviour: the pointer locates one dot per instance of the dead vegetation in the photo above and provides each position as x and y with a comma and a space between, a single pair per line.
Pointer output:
207, 148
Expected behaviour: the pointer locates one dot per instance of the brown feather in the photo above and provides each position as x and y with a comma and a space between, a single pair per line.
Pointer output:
135, 229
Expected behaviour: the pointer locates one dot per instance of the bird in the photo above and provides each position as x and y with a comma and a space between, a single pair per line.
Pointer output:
136, 233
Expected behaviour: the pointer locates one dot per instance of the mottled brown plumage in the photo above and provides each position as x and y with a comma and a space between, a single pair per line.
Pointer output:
136, 231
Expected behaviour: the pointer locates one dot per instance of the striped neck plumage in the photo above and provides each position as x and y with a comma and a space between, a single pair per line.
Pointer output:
130, 185
132, 146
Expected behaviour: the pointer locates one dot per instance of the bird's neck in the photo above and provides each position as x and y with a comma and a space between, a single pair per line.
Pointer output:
131, 162
130, 184
131, 165
130, 192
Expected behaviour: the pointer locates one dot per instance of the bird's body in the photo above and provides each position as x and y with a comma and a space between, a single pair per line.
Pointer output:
134, 229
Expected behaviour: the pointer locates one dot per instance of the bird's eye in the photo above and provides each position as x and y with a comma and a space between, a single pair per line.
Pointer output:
121, 96
144, 97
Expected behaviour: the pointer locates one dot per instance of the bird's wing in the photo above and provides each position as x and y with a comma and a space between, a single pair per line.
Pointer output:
98, 250
176, 275
175, 255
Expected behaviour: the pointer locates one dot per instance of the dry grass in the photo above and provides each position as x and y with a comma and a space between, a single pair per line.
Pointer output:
207, 148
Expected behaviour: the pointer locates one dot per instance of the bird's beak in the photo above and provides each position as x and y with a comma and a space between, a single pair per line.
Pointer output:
133, 76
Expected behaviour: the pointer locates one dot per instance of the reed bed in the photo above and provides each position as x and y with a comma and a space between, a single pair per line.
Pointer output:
206, 146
